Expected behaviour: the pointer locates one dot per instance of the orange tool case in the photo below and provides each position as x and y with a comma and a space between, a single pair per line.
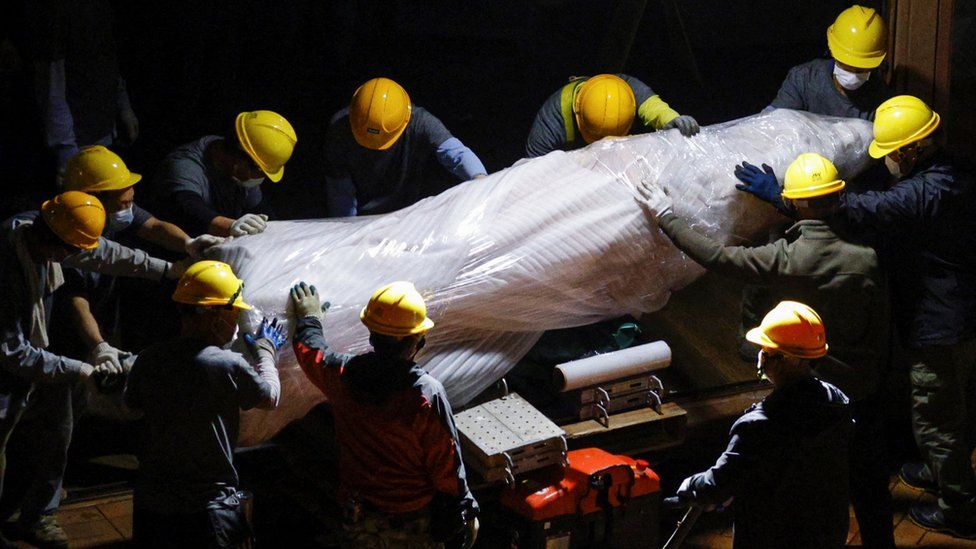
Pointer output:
597, 500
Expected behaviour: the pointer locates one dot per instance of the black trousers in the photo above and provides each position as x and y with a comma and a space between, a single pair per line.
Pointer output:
222, 524
869, 475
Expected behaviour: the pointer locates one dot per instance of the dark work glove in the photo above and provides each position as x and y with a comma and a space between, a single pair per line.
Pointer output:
761, 183
269, 336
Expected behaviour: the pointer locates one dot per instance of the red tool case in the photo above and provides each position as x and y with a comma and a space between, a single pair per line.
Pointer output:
597, 500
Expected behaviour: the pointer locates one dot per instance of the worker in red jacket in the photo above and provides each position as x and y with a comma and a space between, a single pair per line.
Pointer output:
401, 475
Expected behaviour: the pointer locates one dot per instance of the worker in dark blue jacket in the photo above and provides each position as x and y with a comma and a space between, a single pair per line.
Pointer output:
924, 226
784, 472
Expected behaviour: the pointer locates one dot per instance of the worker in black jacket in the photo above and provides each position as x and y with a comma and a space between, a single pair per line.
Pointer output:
818, 263
924, 226
785, 469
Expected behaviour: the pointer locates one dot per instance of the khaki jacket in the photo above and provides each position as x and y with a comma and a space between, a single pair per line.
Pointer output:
816, 264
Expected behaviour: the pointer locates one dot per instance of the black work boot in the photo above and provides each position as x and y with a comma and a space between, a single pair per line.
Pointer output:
930, 516
918, 476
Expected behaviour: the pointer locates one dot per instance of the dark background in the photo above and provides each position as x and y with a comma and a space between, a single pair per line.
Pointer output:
483, 67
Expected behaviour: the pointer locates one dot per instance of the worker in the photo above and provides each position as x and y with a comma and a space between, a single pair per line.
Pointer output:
34, 249
839, 86
45, 430
82, 96
818, 262
588, 109
785, 469
190, 391
402, 480
924, 226
213, 185
842, 86
377, 152
101, 172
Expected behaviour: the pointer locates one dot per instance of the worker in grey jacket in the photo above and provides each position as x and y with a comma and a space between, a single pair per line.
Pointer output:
191, 391
785, 469
818, 263
33, 248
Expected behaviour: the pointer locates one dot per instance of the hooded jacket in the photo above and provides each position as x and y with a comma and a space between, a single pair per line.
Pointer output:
786, 468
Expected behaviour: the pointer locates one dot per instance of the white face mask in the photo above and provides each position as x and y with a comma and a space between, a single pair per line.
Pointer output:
249, 183
850, 80
120, 219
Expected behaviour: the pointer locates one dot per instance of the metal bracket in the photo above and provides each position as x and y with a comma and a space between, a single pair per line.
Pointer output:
509, 467
504, 385
655, 392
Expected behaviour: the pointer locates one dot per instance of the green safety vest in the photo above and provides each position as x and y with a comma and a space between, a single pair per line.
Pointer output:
566, 98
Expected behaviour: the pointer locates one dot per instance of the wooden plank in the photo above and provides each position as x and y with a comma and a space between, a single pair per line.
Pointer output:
669, 411
635, 432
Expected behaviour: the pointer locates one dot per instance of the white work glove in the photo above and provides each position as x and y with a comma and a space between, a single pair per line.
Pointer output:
653, 199
198, 247
687, 125
249, 224
105, 358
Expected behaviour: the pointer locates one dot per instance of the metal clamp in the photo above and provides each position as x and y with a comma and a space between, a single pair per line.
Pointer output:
565, 453
509, 468
604, 418
654, 393
655, 403
504, 385
655, 384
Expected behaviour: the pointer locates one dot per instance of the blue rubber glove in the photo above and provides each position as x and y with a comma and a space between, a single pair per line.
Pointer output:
268, 334
761, 183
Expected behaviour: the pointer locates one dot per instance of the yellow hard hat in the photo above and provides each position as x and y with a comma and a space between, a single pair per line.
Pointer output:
899, 121
810, 176
379, 113
604, 105
96, 169
396, 309
793, 329
858, 37
211, 284
268, 139
77, 218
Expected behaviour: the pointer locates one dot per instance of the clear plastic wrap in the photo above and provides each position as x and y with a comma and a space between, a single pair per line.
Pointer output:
552, 242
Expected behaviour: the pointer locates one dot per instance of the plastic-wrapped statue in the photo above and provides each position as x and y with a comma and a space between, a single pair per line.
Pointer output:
552, 242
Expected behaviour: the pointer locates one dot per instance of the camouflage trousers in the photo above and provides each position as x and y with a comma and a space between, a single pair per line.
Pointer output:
377, 530
944, 416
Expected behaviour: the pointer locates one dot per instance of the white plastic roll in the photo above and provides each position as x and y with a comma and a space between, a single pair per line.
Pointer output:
594, 370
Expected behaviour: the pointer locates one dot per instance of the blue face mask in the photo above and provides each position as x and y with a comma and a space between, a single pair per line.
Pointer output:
120, 219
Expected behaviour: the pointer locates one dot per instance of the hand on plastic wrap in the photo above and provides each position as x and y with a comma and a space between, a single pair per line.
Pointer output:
759, 182
270, 336
305, 300
687, 125
198, 247
653, 199
249, 224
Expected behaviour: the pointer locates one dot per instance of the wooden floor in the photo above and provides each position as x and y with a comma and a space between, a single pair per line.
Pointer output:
107, 522
716, 534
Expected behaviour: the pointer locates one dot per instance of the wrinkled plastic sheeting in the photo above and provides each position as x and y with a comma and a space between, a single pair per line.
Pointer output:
552, 242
